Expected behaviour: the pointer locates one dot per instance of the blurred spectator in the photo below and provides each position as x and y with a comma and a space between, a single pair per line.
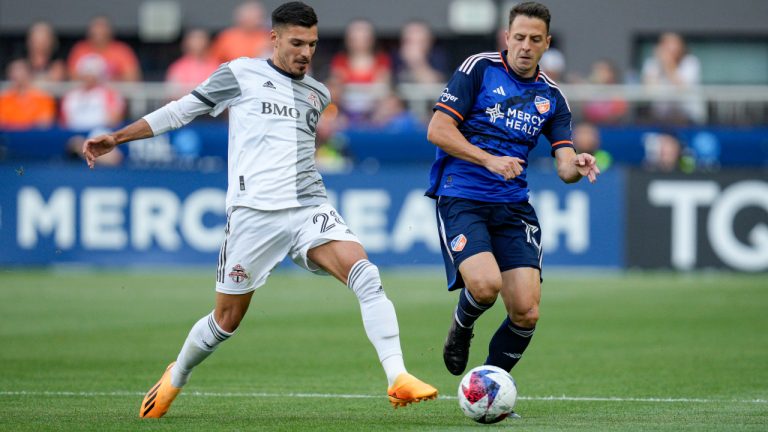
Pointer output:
706, 150
195, 65
672, 66
417, 61
249, 37
22, 106
42, 54
74, 149
586, 139
391, 115
334, 111
360, 64
91, 104
331, 144
605, 111
552, 63
120, 59
664, 153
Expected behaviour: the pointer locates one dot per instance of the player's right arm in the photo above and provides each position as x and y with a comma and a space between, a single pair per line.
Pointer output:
103, 144
214, 95
444, 132
450, 110
172, 116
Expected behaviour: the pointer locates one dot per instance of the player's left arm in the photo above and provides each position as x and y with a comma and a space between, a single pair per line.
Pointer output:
571, 167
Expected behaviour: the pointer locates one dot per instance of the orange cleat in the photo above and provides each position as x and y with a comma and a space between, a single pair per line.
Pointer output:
408, 389
159, 397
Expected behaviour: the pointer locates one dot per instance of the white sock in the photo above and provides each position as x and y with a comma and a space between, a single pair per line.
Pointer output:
393, 366
203, 339
379, 318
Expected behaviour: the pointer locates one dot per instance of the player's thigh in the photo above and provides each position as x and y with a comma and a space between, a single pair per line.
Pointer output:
516, 237
324, 243
463, 230
521, 292
255, 243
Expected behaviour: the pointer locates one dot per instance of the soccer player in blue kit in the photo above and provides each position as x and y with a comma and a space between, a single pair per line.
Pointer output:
486, 121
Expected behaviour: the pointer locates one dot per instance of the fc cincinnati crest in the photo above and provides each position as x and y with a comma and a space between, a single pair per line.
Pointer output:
542, 104
458, 243
238, 274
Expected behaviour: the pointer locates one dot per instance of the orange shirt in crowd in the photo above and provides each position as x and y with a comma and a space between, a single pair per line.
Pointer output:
122, 64
341, 68
190, 71
26, 110
234, 43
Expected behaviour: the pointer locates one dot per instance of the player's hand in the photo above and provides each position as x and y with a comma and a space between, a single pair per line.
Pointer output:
97, 146
586, 165
507, 167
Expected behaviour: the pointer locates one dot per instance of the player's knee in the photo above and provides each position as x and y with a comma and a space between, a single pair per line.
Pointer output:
484, 289
229, 319
526, 318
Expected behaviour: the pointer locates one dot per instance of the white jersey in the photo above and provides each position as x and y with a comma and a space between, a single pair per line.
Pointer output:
272, 122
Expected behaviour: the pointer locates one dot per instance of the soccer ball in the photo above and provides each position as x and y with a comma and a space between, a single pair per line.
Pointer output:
487, 394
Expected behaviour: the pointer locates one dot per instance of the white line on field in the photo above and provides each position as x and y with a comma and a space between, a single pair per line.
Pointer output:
364, 396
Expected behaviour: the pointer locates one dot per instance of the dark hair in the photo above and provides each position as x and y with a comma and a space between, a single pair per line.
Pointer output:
294, 13
531, 10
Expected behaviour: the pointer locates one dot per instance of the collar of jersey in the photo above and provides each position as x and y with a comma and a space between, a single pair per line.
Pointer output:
282, 72
513, 74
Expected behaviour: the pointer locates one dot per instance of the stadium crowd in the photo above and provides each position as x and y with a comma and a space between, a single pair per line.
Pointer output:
364, 75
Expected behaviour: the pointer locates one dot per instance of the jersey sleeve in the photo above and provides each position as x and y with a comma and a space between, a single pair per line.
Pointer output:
220, 90
558, 130
176, 114
325, 97
459, 94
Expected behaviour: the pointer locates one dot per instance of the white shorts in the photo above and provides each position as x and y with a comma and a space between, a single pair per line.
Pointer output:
256, 241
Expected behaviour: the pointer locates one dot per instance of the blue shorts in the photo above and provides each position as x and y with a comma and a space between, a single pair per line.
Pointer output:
510, 231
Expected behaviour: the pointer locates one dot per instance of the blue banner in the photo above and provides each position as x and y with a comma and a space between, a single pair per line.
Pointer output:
207, 140
68, 214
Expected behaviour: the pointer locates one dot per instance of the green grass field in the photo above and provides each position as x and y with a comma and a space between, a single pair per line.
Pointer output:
639, 351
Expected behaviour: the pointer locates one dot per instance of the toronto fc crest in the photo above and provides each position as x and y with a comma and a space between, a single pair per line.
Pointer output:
238, 274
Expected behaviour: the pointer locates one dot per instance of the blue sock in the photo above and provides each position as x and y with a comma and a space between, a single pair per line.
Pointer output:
469, 310
508, 345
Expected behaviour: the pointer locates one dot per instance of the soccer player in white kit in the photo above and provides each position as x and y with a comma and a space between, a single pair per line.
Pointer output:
276, 201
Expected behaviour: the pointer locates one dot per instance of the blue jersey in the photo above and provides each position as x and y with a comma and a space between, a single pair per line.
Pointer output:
503, 114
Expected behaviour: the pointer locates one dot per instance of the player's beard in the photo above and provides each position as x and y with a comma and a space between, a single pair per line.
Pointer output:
302, 65
293, 65
524, 66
